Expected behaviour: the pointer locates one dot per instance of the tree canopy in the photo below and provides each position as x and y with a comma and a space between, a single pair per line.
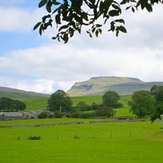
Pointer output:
59, 102
142, 104
72, 16
111, 99
10, 105
157, 92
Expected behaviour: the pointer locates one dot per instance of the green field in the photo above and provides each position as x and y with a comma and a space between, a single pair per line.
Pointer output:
36, 103
40, 103
87, 99
111, 142
125, 110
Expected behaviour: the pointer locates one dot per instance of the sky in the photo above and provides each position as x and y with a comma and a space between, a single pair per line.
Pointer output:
37, 63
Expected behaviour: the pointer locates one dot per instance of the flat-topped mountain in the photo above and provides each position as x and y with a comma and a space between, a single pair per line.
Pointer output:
99, 85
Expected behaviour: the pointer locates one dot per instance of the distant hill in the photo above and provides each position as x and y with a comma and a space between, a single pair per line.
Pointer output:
99, 85
18, 94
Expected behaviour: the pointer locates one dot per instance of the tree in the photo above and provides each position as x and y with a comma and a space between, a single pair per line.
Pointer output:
105, 111
10, 105
72, 16
59, 102
157, 92
156, 114
142, 103
19, 106
82, 106
154, 90
94, 106
111, 99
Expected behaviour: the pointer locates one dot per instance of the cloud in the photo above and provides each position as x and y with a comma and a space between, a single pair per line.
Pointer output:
40, 85
17, 19
58, 66
35, 85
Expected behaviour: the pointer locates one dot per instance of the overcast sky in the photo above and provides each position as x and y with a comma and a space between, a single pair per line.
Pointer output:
31, 62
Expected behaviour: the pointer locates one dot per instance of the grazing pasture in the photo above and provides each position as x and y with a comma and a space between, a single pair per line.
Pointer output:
36, 103
104, 142
40, 103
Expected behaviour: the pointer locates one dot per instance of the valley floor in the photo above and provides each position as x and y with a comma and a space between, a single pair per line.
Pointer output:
109, 142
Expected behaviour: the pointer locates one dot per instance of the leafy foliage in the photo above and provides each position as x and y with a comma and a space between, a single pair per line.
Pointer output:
59, 102
111, 99
105, 111
157, 91
10, 105
71, 16
142, 103
45, 114
82, 106
34, 138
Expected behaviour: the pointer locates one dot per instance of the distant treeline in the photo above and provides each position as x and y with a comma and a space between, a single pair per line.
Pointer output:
143, 104
10, 105
61, 105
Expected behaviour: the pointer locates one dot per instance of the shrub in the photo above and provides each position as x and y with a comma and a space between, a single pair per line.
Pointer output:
34, 138
74, 115
104, 111
82, 106
59, 115
87, 114
94, 106
76, 137
45, 114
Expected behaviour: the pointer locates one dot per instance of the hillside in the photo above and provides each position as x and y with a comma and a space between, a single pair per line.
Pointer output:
34, 101
99, 85
18, 94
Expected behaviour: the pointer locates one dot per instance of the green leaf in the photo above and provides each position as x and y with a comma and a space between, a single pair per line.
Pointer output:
149, 8
71, 32
106, 6
98, 25
116, 7
120, 21
84, 16
114, 13
122, 29
97, 33
58, 19
41, 29
42, 3
49, 6
37, 25
117, 33
63, 27
65, 38
45, 17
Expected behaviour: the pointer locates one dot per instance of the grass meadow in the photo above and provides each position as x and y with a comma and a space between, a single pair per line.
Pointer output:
105, 142
68, 140
38, 104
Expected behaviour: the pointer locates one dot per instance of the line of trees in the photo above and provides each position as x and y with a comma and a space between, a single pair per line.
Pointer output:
142, 104
61, 105
10, 105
